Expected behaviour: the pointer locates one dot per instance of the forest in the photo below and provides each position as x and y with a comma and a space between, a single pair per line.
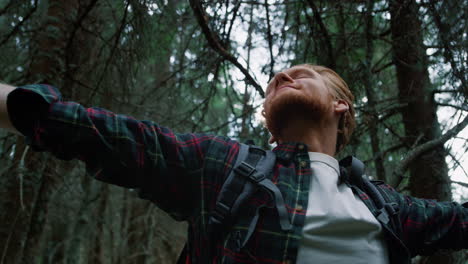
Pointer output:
203, 66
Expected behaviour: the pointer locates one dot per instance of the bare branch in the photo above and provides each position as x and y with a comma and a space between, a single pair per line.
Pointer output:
270, 40
374, 71
215, 44
375, 68
324, 31
421, 149
448, 53
383, 153
446, 91
234, 16
77, 24
113, 50
463, 108
461, 183
457, 163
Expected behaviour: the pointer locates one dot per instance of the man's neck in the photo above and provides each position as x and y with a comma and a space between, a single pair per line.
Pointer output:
319, 137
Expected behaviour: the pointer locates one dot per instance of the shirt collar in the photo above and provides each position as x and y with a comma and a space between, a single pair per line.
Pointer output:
325, 159
288, 150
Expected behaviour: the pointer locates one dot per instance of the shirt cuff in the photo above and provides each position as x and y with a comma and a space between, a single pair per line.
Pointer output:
28, 105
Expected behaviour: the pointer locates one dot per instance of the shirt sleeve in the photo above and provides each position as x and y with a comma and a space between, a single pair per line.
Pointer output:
116, 149
429, 226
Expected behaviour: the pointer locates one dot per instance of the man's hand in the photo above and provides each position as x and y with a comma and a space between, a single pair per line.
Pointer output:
4, 118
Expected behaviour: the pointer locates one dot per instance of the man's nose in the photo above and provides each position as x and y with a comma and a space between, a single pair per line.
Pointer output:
282, 77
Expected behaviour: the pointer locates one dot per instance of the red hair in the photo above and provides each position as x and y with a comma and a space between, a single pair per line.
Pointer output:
339, 90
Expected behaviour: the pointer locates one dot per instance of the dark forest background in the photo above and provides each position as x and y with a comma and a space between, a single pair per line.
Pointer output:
203, 66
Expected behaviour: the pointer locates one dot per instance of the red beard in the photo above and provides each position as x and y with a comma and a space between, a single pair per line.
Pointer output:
283, 108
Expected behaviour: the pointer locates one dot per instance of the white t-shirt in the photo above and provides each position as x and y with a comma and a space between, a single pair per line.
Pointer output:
338, 228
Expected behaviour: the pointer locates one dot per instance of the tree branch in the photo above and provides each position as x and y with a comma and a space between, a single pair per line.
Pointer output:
270, 40
421, 149
7, 6
446, 91
459, 107
374, 71
326, 36
448, 53
234, 15
20, 24
457, 163
112, 51
215, 44
383, 153
461, 183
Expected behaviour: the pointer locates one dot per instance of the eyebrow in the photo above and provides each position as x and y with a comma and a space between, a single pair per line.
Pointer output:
293, 71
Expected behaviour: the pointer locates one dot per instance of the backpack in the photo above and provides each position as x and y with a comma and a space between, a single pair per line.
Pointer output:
250, 173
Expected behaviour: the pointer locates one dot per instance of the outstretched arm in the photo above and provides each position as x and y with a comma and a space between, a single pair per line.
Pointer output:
4, 118
429, 226
166, 167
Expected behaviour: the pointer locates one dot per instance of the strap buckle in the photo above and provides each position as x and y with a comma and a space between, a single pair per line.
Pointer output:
249, 171
383, 216
219, 213
387, 211
245, 169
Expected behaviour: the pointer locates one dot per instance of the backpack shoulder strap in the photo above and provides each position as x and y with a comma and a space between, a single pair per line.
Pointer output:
390, 208
234, 186
352, 170
249, 174
387, 209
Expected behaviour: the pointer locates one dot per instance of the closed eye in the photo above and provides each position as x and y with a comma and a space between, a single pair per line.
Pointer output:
301, 74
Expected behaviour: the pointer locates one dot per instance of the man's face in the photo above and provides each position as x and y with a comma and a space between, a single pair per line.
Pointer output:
297, 92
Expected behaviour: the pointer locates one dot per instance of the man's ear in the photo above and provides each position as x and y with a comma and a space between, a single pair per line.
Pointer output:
340, 106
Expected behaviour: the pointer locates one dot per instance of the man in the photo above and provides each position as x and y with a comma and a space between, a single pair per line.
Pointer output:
309, 112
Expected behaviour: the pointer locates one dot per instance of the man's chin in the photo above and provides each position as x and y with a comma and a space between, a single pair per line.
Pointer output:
291, 106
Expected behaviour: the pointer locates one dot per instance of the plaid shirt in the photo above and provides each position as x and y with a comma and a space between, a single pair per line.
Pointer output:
183, 174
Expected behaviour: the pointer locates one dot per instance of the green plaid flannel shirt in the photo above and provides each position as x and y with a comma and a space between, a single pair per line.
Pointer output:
183, 174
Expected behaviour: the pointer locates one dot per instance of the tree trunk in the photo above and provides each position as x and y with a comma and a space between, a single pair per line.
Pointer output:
47, 66
23, 242
98, 253
79, 225
138, 232
428, 174
371, 116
